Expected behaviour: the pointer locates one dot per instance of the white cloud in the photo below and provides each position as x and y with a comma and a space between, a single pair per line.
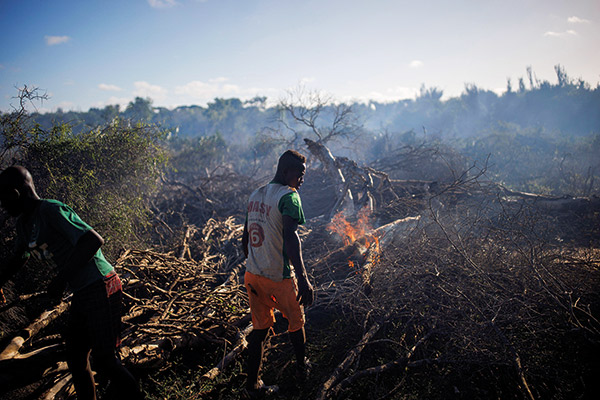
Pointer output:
499, 91
213, 88
162, 3
307, 80
388, 96
66, 105
577, 20
229, 88
123, 102
560, 34
416, 64
402, 92
145, 89
63, 105
108, 87
54, 40
201, 93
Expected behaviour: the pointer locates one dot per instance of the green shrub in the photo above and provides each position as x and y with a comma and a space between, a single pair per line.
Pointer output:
105, 174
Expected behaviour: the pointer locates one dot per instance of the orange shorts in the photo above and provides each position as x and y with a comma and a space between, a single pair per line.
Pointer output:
265, 295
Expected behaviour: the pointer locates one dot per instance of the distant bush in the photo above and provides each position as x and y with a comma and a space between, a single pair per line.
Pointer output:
532, 161
193, 158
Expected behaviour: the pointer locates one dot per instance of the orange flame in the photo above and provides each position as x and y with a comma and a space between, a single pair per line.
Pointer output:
348, 232
351, 232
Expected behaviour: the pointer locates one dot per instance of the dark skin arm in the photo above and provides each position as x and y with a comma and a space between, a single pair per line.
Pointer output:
14, 264
293, 250
245, 240
85, 249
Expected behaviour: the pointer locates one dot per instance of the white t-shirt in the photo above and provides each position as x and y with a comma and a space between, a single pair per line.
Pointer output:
266, 251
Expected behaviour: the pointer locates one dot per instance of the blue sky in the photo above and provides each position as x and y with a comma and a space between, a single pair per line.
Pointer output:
91, 53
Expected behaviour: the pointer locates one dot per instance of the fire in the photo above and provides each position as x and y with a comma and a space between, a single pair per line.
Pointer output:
348, 232
361, 229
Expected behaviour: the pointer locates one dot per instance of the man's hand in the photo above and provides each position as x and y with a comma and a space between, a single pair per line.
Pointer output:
56, 288
306, 293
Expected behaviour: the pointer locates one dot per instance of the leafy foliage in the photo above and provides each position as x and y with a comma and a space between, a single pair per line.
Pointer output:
105, 173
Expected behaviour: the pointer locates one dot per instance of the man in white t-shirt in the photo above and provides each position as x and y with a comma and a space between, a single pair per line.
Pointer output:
271, 243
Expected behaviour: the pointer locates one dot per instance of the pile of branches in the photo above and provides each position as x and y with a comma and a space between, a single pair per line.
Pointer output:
171, 301
176, 304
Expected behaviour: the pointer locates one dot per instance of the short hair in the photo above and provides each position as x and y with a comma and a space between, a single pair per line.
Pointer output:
15, 177
290, 159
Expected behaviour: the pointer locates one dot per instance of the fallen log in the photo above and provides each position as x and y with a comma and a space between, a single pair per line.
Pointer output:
59, 387
554, 203
27, 368
24, 361
350, 268
345, 201
15, 345
394, 233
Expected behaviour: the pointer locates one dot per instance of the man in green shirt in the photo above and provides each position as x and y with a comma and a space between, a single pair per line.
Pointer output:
271, 243
51, 230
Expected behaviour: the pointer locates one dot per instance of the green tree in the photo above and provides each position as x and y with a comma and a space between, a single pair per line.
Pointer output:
194, 158
139, 110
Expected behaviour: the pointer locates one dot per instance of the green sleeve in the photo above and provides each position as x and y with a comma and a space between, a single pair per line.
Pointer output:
66, 221
290, 205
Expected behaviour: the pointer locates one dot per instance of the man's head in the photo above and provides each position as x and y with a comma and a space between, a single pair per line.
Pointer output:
16, 190
291, 168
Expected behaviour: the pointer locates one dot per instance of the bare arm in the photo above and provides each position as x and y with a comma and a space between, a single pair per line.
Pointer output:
293, 249
12, 266
245, 239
